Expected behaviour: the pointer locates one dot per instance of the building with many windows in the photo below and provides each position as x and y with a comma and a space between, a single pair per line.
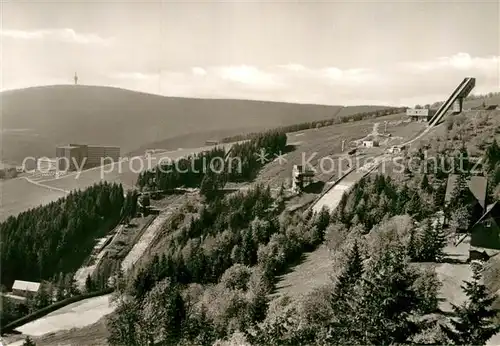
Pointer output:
76, 156
420, 115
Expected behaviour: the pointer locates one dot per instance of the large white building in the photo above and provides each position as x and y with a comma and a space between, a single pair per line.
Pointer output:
25, 288
73, 156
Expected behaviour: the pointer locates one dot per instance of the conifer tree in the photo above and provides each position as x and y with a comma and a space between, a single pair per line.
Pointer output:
424, 185
351, 274
28, 342
385, 314
414, 206
474, 320
89, 284
492, 155
460, 195
432, 242
411, 249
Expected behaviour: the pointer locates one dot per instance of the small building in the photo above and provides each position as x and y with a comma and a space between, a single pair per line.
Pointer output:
45, 164
394, 149
370, 144
485, 234
25, 288
419, 115
301, 177
478, 188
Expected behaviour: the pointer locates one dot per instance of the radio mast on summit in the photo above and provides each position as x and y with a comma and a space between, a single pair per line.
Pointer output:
76, 78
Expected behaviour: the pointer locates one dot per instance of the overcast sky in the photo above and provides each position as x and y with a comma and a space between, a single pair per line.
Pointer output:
398, 53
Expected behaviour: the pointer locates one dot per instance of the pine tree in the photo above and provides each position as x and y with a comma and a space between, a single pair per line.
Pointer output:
414, 206
424, 185
28, 342
389, 302
351, 274
342, 298
460, 195
440, 241
411, 248
492, 155
123, 325
474, 320
89, 284
42, 298
403, 198
431, 242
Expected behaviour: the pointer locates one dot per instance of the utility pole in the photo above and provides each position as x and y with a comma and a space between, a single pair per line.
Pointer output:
343, 145
76, 78
385, 127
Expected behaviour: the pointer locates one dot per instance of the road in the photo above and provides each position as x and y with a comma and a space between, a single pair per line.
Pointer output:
333, 196
76, 315
145, 240
23, 193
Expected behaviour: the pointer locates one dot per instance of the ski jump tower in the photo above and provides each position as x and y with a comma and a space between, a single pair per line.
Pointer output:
456, 100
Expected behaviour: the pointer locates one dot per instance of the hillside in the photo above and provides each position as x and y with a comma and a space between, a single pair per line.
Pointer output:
35, 120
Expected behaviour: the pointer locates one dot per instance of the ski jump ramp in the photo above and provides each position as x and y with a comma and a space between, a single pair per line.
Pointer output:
455, 100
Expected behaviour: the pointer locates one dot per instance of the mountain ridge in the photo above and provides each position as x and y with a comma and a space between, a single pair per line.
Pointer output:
61, 114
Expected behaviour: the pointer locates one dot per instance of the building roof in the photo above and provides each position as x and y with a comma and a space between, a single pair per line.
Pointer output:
487, 251
26, 286
477, 185
67, 147
104, 146
489, 208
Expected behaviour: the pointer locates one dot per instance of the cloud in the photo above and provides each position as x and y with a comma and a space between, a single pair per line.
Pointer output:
63, 35
249, 76
350, 76
135, 75
459, 61
198, 71
293, 67
405, 83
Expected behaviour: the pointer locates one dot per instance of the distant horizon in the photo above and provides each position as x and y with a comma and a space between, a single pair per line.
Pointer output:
236, 98
303, 52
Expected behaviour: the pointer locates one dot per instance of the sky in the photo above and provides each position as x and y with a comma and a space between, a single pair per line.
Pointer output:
335, 52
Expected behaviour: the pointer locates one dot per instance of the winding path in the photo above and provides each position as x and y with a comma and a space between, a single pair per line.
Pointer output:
51, 188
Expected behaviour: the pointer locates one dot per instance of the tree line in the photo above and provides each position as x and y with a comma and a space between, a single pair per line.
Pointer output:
375, 297
212, 169
40, 243
319, 123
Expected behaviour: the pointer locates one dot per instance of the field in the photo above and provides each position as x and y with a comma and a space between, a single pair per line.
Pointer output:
325, 141
18, 195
